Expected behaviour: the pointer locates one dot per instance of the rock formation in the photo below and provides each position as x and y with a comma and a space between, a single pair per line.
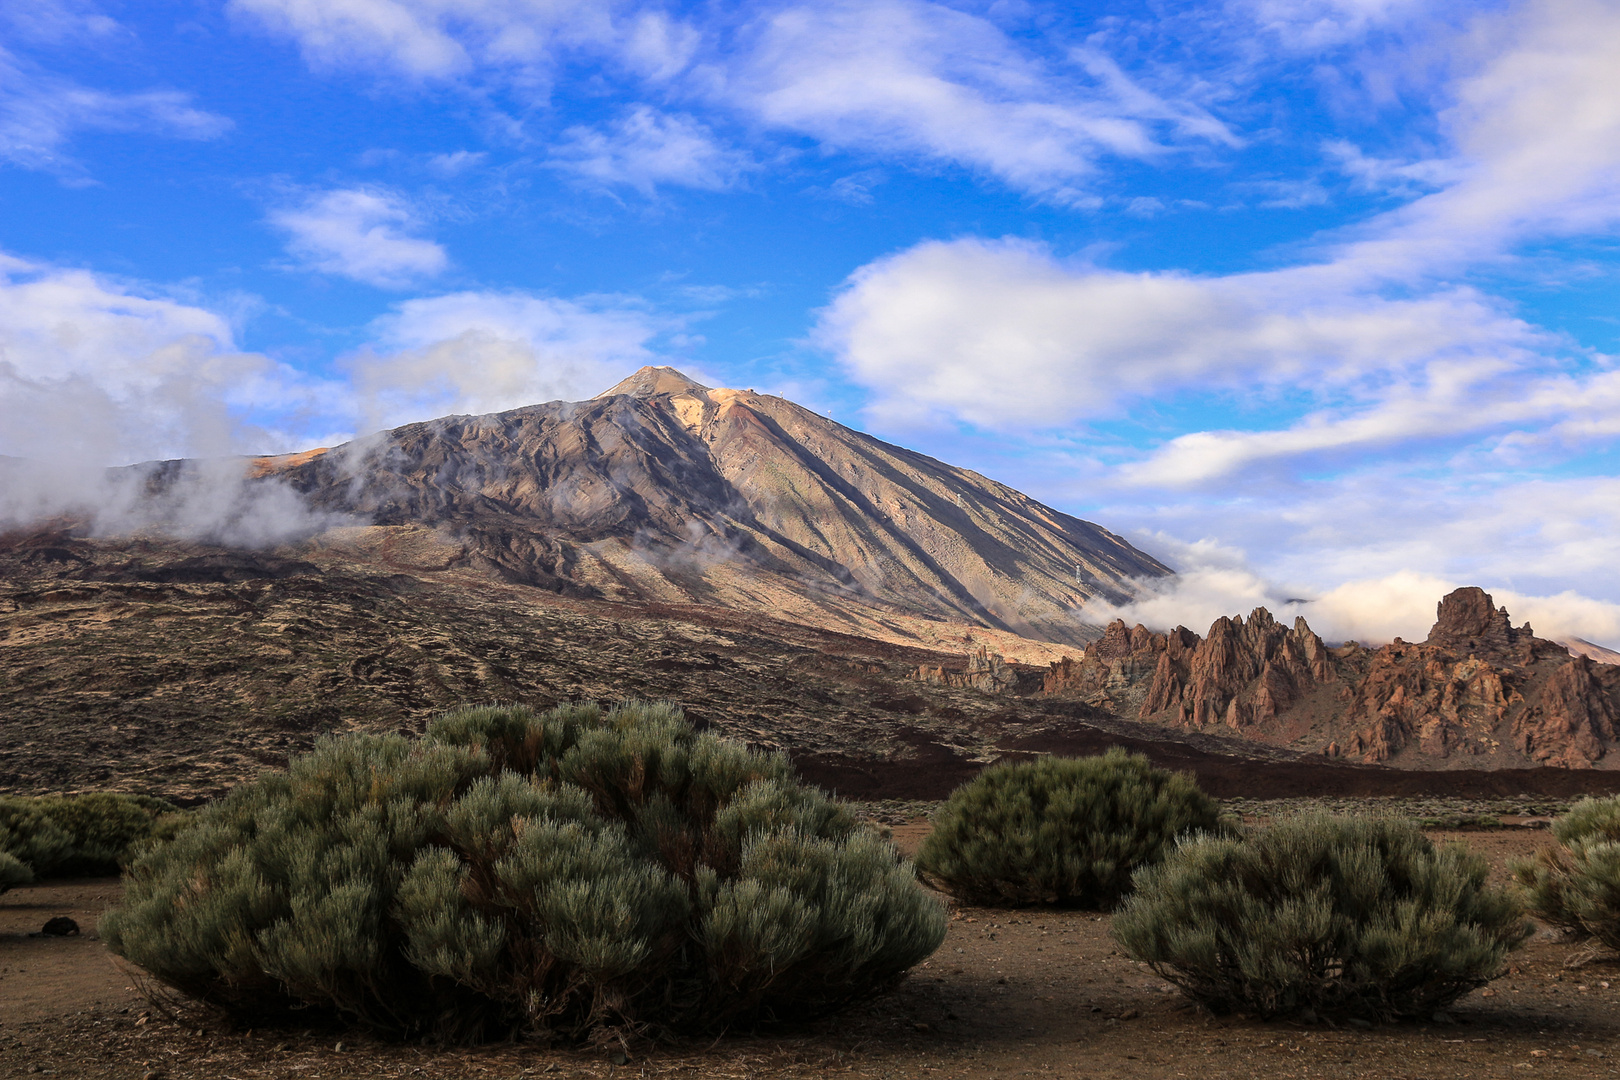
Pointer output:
1478, 691
985, 671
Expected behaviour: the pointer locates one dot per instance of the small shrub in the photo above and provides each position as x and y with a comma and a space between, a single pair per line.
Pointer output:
1576, 884
522, 873
1064, 831
1342, 917
68, 835
13, 872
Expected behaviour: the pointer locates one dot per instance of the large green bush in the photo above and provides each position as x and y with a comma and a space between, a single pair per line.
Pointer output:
1341, 917
1065, 831
1576, 884
535, 874
66, 835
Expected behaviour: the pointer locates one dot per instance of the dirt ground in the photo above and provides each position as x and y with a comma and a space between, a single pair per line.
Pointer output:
1010, 994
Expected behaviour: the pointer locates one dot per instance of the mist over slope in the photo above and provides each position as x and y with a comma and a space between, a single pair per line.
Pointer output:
662, 489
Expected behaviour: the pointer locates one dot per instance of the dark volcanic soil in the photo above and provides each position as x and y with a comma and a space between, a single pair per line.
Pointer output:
1009, 994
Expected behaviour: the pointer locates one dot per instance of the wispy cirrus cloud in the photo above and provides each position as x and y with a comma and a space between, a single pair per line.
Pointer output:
645, 149
922, 81
476, 40
41, 113
367, 234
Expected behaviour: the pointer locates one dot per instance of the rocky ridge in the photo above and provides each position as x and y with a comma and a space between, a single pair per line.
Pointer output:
1477, 693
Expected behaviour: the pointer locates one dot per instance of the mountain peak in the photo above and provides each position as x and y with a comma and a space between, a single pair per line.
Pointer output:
653, 381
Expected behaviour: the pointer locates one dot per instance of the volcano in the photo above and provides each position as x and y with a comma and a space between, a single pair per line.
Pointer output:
662, 489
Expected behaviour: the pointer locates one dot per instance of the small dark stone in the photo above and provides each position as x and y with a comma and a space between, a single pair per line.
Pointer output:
61, 926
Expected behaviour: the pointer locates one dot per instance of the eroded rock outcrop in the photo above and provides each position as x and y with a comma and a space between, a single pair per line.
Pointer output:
1572, 723
985, 671
1478, 691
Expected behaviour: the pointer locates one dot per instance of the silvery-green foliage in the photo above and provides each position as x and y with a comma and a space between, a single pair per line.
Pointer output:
13, 872
70, 835
538, 873
1062, 831
1575, 884
1337, 917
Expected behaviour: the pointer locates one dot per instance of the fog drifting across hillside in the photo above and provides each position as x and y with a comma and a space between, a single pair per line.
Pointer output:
211, 500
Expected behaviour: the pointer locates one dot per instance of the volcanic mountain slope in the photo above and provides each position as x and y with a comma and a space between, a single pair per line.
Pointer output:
664, 490
1478, 693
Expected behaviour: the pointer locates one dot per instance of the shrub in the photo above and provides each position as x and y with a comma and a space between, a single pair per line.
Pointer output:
66, 835
1576, 884
535, 874
1343, 917
1065, 831
13, 872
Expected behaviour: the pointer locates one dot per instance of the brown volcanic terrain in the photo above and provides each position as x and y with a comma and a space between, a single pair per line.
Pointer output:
1478, 693
662, 490
179, 670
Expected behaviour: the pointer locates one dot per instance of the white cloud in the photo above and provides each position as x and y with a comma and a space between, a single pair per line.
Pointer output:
646, 148
119, 372
480, 352
337, 33
455, 164
59, 20
452, 39
1215, 581
1537, 544
970, 326
1370, 346
361, 233
40, 113
1535, 132
1305, 25
1456, 399
923, 79
1408, 178
919, 79
103, 372
95, 372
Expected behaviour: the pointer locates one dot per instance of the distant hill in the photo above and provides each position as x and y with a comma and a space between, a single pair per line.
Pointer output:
665, 490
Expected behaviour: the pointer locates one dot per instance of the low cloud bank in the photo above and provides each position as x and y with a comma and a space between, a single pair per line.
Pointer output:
210, 501
1217, 581
98, 372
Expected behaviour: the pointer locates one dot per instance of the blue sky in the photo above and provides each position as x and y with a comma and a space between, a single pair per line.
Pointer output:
1311, 297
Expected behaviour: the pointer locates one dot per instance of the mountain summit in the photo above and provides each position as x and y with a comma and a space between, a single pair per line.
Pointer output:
662, 489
